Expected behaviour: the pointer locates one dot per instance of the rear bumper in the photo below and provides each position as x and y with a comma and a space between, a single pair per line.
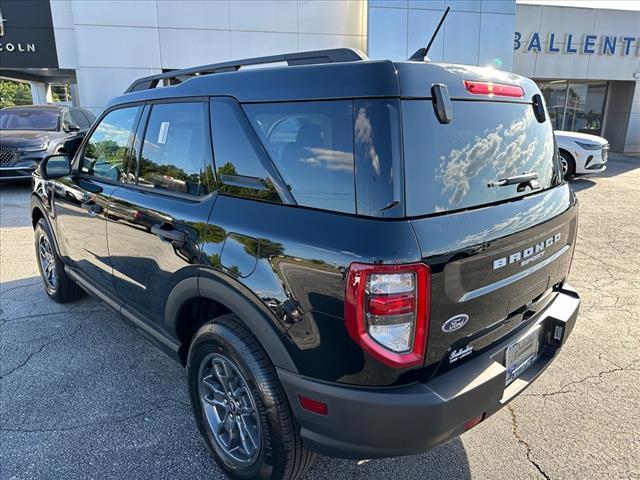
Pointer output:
382, 422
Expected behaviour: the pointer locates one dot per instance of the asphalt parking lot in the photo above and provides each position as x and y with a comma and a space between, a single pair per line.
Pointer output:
84, 396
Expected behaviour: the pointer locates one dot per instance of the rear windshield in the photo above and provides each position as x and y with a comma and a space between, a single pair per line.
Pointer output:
448, 167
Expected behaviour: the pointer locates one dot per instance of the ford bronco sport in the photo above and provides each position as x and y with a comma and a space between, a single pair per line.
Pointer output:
353, 257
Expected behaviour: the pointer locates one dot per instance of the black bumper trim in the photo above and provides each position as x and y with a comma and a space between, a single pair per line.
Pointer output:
391, 421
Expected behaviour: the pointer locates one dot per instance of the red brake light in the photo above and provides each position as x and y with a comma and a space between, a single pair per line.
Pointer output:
391, 304
387, 311
490, 88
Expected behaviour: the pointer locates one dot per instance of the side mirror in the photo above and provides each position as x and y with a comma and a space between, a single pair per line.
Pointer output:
55, 166
72, 127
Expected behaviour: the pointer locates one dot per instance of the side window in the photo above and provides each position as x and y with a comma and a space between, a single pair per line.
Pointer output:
79, 119
66, 120
176, 153
311, 144
242, 166
106, 153
89, 116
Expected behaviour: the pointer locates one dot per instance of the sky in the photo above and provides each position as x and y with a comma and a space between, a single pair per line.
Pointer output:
611, 4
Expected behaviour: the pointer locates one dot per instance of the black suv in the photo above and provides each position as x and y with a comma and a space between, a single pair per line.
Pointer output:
358, 258
29, 133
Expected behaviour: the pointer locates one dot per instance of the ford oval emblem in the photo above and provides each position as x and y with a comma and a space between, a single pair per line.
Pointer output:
455, 323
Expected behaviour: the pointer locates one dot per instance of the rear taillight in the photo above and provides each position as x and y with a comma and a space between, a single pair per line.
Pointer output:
387, 311
493, 89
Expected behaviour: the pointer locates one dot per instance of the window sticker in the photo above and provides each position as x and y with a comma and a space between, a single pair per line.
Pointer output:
162, 134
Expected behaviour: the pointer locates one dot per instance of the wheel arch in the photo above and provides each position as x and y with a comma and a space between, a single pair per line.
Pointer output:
564, 150
38, 211
195, 301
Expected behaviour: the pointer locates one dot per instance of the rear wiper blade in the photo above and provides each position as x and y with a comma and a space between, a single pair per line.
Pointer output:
525, 178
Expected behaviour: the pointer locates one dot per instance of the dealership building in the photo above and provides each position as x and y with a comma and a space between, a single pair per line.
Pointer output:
585, 60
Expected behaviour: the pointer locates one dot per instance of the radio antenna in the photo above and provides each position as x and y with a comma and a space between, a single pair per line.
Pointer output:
421, 53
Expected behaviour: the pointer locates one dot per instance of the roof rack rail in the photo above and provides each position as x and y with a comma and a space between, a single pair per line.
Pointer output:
334, 55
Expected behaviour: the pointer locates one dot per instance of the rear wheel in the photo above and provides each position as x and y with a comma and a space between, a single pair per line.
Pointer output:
55, 280
568, 165
240, 407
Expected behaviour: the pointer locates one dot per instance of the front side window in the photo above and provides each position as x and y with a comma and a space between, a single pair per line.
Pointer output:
176, 154
106, 154
311, 145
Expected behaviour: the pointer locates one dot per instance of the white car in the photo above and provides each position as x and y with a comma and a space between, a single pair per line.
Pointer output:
581, 154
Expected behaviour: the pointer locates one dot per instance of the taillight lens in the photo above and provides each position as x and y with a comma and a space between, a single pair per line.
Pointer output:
493, 89
387, 311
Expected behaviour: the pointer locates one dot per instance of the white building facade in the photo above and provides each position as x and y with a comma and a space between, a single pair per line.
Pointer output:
586, 61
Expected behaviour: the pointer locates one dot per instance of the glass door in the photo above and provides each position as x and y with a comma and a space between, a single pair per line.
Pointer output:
576, 106
555, 96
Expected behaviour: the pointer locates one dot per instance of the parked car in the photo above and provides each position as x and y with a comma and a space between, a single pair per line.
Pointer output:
29, 133
353, 257
581, 153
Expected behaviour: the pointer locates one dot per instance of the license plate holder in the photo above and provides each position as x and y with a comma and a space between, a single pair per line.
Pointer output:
521, 354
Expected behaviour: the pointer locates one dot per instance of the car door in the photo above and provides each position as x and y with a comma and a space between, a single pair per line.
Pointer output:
155, 226
80, 200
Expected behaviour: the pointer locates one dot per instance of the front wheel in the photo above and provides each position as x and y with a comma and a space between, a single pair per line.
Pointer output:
55, 280
568, 165
240, 407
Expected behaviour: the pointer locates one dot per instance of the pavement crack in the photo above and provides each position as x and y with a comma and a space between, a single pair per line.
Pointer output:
42, 347
93, 310
19, 286
157, 406
564, 389
524, 443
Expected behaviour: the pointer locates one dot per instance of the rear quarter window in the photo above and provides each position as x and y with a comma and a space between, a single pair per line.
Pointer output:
311, 145
448, 167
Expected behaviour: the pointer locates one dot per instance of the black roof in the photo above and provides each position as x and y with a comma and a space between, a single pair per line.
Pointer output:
340, 73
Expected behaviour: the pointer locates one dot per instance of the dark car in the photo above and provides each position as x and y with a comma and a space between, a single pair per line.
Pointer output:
29, 133
353, 257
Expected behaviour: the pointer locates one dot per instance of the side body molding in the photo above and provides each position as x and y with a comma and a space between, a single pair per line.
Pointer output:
256, 316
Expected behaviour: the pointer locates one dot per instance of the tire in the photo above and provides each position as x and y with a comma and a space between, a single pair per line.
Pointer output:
568, 165
223, 349
55, 280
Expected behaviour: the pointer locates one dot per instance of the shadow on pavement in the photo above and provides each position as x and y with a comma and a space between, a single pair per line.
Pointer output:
579, 184
448, 461
116, 407
619, 164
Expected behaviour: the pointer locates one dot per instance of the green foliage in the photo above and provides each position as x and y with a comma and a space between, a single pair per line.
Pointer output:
14, 94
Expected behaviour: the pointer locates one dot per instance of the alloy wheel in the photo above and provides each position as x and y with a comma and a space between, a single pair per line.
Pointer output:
47, 262
230, 409
565, 166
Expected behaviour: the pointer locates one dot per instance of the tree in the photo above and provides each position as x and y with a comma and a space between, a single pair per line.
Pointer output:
14, 93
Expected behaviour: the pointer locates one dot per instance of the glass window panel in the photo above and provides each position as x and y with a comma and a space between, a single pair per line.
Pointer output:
485, 142
241, 162
176, 148
555, 96
106, 154
311, 144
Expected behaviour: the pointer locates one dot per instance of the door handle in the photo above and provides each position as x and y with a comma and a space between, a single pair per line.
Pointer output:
92, 208
168, 233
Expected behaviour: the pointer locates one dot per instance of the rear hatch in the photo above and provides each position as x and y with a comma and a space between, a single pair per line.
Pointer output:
495, 252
